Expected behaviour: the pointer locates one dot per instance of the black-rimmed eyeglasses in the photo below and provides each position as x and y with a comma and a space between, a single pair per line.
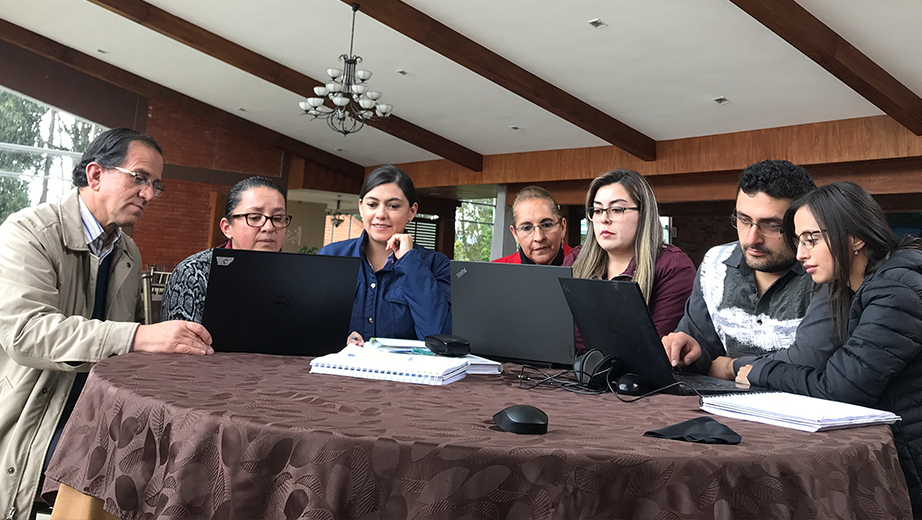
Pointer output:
767, 229
258, 219
142, 179
613, 213
809, 239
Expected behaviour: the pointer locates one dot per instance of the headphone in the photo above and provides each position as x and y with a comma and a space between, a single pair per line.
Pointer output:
596, 371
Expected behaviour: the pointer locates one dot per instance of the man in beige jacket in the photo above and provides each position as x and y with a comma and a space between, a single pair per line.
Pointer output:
69, 297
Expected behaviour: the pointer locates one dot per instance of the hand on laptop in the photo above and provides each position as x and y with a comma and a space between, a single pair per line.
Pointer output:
681, 348
177, 336
355, 339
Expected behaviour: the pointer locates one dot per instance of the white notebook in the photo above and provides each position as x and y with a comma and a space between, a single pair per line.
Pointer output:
475, 364
355, 361
798, 412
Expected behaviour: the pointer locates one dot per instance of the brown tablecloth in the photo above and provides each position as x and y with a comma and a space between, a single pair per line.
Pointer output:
249, 436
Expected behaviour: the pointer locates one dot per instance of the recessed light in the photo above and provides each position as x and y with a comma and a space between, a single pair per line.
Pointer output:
721, 100
337, 149
402, 72
102, 51
241, 109
597, 23
515, 128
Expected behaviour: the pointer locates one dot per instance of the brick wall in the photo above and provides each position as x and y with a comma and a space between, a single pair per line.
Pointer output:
177, 224
350, 228
194, 141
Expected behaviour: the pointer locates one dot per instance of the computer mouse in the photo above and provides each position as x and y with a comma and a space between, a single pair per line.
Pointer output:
521, 418
632, 384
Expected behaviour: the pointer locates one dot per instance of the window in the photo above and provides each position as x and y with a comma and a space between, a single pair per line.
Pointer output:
39, 146
474, 229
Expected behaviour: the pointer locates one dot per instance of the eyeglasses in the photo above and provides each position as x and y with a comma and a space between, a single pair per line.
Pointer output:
614, 213
142, 179
258, 219
809, 239
767, 229
546, 227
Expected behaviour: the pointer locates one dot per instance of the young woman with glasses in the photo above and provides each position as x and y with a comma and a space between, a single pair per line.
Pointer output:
875, 298
624, 241
403, 290
254, 219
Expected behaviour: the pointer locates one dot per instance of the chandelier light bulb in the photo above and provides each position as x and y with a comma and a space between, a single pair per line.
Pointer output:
354, 104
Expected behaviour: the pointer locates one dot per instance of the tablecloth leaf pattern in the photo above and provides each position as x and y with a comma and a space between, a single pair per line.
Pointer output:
238, 436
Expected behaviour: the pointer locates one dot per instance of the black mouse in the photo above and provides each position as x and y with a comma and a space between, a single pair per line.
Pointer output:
521, 418
632, 384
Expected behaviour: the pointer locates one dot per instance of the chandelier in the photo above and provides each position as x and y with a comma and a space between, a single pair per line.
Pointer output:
353, 103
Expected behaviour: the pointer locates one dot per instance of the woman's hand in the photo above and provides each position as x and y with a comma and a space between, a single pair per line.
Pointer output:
400, 244
355, 339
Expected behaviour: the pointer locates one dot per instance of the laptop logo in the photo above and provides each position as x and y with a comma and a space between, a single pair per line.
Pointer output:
462, 272
224, 261
281, 303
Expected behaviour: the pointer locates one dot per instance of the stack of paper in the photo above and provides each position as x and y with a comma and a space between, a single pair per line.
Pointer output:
799, 412
475, 364
354, 361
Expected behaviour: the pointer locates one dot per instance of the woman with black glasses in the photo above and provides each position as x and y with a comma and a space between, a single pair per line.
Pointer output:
254, 219
624, 241
875, 298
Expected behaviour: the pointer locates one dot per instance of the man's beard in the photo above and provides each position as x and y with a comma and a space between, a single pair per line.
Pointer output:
774, 263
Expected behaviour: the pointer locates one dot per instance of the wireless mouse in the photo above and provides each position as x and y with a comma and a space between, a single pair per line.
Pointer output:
521, 418
632, 384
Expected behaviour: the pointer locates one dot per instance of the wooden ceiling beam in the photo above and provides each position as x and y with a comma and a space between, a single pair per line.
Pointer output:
99, 69
817, 41
470, 54
262, 67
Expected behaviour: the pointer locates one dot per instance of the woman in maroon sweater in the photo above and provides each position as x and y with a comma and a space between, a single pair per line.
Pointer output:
625, 242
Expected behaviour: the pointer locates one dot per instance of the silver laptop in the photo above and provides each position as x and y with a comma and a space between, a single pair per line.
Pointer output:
512, 312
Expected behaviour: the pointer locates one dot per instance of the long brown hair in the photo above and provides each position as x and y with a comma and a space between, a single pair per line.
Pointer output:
592, 261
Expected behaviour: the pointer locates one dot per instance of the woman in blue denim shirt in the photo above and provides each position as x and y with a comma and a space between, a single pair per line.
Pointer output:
403, 289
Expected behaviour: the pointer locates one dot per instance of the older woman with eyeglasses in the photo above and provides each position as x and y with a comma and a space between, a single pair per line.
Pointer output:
875, 298
538, 228
625, 242
254, 219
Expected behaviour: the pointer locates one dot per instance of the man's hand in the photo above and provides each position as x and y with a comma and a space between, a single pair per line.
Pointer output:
400, 244
681, 348
722, 368
181, 337
743, 376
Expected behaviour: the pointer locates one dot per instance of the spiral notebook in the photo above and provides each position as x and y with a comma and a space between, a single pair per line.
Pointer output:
355, 361
798, 412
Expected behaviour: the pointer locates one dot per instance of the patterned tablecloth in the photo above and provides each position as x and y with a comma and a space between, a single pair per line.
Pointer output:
249, 436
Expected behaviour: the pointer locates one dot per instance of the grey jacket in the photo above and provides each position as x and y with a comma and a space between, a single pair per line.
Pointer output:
47, 291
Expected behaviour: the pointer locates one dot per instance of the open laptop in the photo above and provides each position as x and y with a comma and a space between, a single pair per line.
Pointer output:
512, 312
613, 317
279, 303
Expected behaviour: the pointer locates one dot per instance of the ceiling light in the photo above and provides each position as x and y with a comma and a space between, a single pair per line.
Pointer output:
721, 100
402, 72
515, 128
597, 23
354, 104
